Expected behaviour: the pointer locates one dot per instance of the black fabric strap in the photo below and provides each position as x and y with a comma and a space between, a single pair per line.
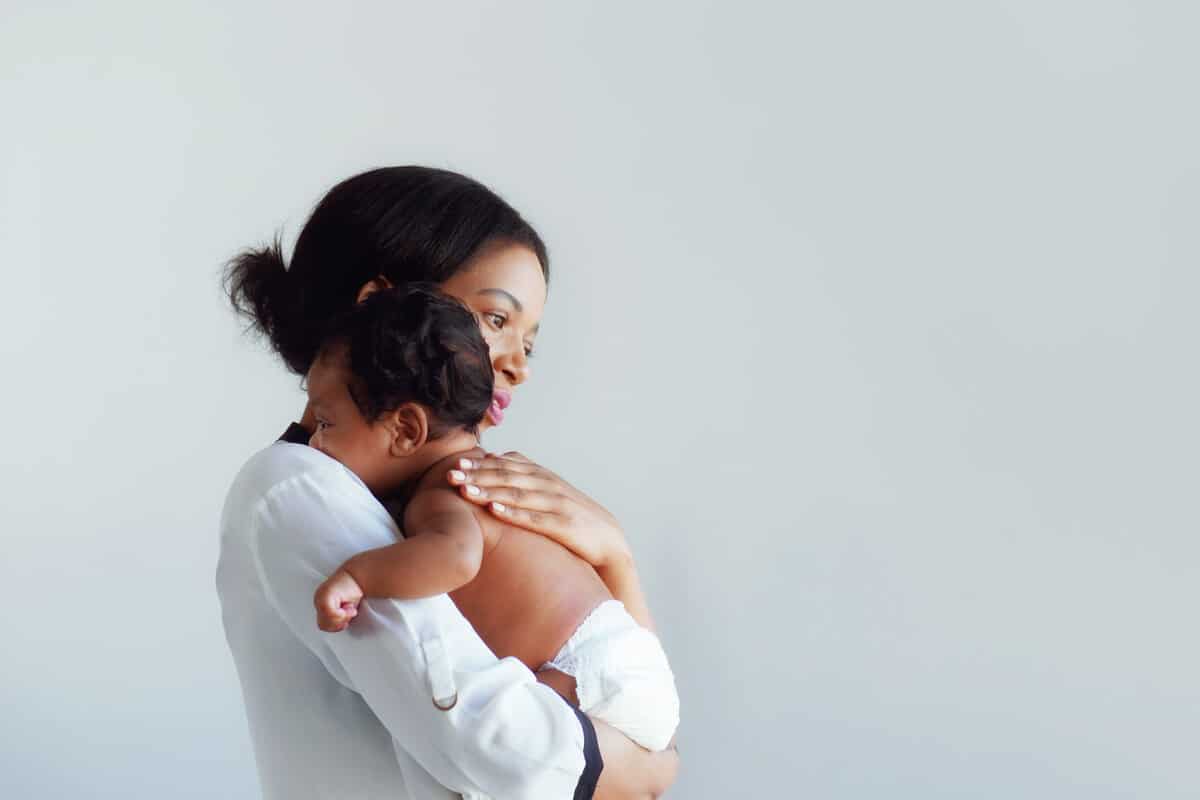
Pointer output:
591, 754
295, 435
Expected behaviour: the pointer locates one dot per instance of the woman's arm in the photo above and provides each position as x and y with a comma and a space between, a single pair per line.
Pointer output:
519, 491
629, 770
621, 578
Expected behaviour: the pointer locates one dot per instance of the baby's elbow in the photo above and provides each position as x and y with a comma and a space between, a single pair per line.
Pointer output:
466, 563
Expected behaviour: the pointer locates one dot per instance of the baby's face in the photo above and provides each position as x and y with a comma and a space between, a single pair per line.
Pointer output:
342, 431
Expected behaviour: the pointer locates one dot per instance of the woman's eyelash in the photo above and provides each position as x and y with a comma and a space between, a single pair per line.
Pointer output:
499, 320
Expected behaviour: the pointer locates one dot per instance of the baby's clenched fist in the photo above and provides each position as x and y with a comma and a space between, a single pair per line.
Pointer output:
337, 601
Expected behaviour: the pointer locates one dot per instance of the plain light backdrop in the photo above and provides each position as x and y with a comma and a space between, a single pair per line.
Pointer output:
874, 323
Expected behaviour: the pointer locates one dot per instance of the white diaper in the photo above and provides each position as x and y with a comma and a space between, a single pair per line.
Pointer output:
622, 676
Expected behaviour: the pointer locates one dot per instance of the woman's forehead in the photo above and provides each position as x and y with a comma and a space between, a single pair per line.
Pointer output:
503, 270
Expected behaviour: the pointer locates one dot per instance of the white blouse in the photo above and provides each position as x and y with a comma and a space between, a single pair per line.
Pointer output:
353, 714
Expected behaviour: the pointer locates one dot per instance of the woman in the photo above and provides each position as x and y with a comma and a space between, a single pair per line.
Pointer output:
411, 700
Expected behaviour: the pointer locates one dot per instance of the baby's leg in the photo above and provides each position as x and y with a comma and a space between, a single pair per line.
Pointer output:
622, 676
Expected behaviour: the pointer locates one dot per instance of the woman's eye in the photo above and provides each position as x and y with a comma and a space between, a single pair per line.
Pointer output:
322, 424
496, 319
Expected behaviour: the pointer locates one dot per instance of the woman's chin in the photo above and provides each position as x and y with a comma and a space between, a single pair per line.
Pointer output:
491, 418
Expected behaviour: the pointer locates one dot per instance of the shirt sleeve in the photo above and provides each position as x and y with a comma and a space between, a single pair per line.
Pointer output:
506, 735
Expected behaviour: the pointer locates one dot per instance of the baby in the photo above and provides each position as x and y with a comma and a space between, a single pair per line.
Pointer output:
397, 390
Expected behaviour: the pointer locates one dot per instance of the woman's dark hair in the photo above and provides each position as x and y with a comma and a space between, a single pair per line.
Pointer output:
407, 224
414, 344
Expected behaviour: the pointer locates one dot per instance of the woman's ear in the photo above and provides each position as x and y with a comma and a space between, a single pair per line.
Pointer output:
408, 428
372, 286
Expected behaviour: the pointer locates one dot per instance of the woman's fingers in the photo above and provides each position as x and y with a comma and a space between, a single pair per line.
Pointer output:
534, 498
496, 477
514, 496
546, 523
500, 464
513, 457
512, 461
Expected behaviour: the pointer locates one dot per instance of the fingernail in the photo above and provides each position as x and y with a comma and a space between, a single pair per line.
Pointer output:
465, 463
499, 507
473, 491
458, 475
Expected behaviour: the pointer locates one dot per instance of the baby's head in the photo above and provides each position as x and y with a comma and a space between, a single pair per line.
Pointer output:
402, 369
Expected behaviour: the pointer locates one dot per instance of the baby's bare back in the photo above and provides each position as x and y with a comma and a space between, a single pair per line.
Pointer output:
531, 593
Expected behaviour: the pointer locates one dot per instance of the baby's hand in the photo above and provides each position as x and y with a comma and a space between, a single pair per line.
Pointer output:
337, 601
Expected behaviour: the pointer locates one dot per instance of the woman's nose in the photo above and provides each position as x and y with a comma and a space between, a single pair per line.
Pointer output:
513, 364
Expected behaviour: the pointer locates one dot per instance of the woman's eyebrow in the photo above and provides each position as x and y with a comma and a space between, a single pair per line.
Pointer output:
516, 303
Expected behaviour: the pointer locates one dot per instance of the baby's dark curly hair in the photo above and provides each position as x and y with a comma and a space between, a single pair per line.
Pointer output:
415, 344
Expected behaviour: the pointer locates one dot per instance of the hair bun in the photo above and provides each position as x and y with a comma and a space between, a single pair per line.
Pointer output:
257, 286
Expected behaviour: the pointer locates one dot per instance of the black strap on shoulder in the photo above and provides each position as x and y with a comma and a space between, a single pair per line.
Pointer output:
295, 435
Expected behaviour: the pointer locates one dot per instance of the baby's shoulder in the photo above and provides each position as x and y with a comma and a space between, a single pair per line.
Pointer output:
433, 493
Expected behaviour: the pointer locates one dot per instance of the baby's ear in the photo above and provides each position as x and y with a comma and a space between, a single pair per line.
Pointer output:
408, 428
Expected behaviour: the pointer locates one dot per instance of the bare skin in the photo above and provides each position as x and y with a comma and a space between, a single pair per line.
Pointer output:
523, 493
537, 499
454, 547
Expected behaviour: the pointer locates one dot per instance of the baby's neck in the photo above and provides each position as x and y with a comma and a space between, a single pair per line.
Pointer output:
430, 453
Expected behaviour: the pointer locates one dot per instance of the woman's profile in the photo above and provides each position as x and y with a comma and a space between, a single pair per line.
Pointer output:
357, 713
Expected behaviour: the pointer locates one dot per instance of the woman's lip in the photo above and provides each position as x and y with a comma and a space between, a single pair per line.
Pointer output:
500, 401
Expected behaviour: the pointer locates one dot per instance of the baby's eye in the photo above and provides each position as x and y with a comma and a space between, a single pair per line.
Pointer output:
322, 424
529, 351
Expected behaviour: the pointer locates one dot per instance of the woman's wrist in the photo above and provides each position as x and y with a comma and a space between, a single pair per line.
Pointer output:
616, 554
617, 560
621, 578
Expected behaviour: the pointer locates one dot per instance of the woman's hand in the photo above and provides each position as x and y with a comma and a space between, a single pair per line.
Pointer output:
516, 490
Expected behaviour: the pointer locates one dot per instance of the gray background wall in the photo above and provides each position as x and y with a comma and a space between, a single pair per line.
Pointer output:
875, 323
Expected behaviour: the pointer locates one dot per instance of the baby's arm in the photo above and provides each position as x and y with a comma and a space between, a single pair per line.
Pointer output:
442, 551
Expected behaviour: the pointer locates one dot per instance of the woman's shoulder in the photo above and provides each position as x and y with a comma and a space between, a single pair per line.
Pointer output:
283, 461
292, 485
292, 468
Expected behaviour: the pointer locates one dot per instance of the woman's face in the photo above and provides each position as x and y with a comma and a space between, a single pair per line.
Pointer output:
504, 286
